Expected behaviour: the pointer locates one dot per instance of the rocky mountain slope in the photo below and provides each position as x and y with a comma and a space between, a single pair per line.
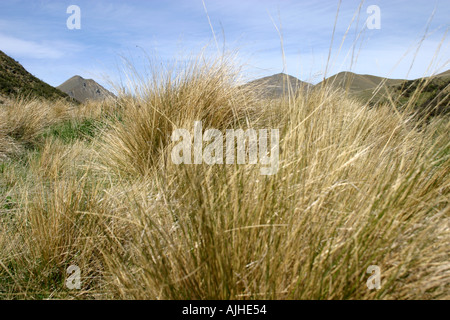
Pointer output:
84, 89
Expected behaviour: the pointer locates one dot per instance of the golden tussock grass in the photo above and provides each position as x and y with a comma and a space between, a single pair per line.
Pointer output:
356, 186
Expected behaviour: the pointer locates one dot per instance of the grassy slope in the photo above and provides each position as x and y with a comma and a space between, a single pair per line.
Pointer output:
357, 82
421, 94
16, 81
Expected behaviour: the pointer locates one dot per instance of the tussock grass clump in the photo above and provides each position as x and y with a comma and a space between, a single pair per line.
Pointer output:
356, 187
23, 121
8, 146
26, 119
26, 123
56, 221
204, 90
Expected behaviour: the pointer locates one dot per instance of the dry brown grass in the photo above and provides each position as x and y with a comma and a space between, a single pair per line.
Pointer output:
204, 91
355, 187
23, 121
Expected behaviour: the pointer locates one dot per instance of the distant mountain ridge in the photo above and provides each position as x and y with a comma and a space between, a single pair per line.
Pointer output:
354, 82
431, 95
434, 91
84, 89
277, 85
16, 81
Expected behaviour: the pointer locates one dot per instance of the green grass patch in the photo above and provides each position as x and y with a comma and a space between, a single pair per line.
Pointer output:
72, 130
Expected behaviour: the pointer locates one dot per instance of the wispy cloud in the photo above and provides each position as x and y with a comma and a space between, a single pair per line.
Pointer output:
37, 50
37, 30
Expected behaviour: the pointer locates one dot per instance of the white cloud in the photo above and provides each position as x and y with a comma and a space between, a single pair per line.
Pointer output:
30, 49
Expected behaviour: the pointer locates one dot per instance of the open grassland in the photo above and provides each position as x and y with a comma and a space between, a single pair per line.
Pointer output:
94, 186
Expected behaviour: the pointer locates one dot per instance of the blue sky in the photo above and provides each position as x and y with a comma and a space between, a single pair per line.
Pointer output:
35, 33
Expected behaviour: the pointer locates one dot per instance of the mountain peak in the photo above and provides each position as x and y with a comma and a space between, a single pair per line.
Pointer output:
77, 77
275, 86
83, 89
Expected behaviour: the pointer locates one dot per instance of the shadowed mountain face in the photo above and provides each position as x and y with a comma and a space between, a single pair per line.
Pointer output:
84, 89
16, 81
430, 94
277, 85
